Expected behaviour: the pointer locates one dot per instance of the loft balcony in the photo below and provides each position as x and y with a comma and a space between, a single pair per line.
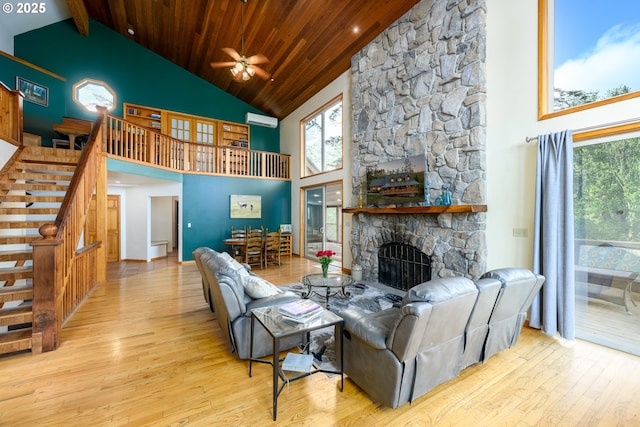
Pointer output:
126, 140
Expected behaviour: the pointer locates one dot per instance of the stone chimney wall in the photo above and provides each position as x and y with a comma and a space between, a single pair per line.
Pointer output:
419, 88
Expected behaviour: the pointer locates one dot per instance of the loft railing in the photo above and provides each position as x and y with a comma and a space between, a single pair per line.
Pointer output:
130, 141
63, 275
10, 115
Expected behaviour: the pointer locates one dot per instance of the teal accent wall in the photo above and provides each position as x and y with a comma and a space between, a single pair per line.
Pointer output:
37, 119
139, 76
136, 74
209, 212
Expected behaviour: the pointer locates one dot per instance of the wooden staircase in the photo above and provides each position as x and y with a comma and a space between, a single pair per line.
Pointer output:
32, 187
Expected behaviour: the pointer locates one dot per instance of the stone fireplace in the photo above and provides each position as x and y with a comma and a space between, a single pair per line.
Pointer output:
419, 88
403, 266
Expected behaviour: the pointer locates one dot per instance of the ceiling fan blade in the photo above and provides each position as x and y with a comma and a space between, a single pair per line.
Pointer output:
257, 59
232, 53
222, 64
261, 73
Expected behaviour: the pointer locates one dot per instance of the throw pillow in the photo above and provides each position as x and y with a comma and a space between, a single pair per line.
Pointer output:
256, 287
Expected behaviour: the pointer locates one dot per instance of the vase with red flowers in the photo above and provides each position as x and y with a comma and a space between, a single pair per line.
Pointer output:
325, 258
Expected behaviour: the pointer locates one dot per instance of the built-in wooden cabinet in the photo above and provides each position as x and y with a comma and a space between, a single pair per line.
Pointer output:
187, 127
234, 135
143, 116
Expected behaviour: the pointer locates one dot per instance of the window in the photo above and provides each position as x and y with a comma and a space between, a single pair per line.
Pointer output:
90, 94
322, 139
589, 54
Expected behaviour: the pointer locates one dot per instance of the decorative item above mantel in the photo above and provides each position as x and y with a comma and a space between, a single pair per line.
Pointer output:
418, 209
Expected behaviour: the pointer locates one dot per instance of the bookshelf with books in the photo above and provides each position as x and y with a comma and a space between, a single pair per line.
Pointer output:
234, 135
144, 116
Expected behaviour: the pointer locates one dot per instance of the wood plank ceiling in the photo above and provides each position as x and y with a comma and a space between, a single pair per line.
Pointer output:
309, 42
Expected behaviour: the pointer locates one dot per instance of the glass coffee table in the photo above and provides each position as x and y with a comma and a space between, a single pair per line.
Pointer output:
332, 285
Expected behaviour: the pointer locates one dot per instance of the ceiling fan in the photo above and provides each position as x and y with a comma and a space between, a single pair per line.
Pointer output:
243, 68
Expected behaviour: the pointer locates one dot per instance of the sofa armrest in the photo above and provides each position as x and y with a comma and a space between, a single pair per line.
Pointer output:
366, 327
271, 301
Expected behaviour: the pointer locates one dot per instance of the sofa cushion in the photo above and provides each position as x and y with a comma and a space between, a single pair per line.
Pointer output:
256, 287
231, 262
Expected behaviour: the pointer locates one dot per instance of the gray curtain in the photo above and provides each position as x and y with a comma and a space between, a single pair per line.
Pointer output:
553, 310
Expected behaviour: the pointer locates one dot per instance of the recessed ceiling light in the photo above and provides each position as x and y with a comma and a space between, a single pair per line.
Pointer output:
356, 30
130, 31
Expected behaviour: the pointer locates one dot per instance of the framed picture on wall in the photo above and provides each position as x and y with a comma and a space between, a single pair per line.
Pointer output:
33, 92
243, 206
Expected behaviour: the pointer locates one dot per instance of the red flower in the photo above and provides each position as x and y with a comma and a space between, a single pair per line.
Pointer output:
327, 253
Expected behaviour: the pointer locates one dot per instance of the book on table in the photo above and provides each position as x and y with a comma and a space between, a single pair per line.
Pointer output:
299, 309
306, 318
296, 362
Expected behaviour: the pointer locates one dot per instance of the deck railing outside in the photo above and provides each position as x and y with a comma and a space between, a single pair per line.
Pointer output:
133, 142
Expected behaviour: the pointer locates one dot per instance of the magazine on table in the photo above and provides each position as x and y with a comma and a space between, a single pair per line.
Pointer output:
299, 308
304, 318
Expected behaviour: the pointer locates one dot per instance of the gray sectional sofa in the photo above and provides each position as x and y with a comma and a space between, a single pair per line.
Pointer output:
232, 292
441, 327
399, 354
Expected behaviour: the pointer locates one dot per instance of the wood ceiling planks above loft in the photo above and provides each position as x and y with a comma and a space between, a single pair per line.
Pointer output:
308, 44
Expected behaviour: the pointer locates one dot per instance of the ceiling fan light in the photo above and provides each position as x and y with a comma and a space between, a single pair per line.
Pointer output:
251, 71
234, 71
239, 66
245, 76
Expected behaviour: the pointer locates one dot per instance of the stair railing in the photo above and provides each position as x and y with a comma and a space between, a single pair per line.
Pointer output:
131, 141
10, 115
63, 275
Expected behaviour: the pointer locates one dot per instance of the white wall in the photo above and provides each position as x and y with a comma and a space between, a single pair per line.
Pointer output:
512, 94
162, 220
290, 144
136, 217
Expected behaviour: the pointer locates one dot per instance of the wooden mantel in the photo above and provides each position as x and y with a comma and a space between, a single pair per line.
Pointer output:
419, 209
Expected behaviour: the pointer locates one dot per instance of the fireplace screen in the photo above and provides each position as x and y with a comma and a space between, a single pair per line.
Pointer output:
403, 266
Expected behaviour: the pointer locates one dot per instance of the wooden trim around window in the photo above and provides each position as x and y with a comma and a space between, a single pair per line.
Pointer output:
544, 102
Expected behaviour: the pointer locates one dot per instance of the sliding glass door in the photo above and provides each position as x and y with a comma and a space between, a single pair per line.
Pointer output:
607, 245
323, 220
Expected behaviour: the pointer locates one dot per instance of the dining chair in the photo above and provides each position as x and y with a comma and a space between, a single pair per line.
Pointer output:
272, 248
254, 247
238, 251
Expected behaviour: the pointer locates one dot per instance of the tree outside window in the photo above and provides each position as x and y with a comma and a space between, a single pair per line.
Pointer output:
322, 140
590, 54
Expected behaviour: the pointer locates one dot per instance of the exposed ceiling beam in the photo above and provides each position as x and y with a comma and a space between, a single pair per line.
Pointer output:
79, 15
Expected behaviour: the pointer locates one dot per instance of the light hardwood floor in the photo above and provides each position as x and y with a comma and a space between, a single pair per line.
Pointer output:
144, 350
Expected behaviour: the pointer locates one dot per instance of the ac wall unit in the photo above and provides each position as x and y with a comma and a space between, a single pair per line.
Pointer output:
259, 120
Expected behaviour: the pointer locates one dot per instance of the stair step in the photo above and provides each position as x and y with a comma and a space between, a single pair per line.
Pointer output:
10, 273
48, 155
42, 167
34, 186
39, 176
16, 255
29, 211
16, 315
16, 293
4, 225
17, 340
34, 199
16, 240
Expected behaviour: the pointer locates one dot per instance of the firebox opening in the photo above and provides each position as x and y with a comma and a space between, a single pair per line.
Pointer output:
403, 266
